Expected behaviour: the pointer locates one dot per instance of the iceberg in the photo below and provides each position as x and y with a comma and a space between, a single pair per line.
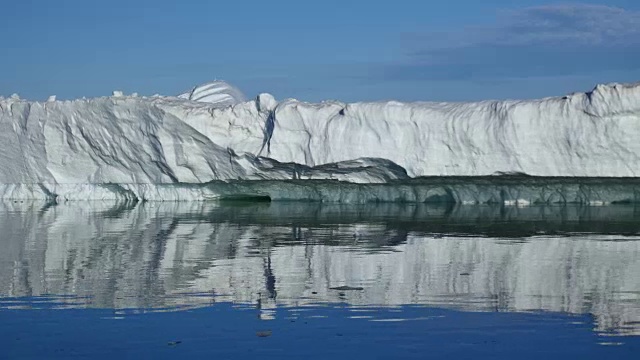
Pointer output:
217, 92
211, 143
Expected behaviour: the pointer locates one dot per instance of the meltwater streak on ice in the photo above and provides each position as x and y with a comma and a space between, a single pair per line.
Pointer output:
70, 149
179, 255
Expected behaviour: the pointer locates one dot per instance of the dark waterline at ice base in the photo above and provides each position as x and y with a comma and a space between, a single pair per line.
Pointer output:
509, 190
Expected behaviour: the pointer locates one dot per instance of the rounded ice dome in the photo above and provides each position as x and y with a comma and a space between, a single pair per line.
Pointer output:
216, 92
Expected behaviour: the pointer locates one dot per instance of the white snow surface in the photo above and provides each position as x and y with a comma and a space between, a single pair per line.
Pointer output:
210, 134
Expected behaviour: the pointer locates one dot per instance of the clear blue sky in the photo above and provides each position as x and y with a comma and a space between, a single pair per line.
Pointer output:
315, 50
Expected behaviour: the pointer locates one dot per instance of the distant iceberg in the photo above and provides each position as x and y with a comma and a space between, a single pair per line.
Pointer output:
217, 93
190, 146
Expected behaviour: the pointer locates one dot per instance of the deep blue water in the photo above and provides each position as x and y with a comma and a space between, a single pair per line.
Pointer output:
311, 281
320, 332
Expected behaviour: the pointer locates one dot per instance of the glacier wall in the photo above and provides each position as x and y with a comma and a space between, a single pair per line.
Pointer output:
583, 134
192, 254
210, 133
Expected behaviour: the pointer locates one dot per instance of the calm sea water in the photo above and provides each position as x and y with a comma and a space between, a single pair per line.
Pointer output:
291, 280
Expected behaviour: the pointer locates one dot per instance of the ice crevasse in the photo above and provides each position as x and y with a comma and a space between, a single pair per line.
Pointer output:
211, 142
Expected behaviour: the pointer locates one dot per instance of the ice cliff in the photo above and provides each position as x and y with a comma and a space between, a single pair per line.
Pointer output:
128, 146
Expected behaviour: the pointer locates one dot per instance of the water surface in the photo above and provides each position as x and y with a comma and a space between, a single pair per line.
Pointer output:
278, 280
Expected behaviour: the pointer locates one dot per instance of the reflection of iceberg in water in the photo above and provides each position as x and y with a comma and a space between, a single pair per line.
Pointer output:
193, 254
